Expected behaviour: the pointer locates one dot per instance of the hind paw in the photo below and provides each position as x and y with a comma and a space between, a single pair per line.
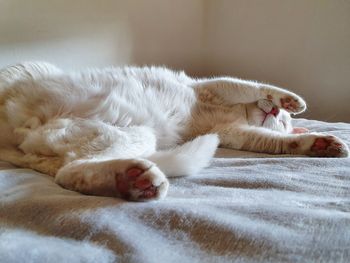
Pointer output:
131, 179
141, 184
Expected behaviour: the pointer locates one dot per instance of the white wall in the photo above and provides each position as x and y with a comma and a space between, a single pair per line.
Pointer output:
297, 44
300, 45
80, 33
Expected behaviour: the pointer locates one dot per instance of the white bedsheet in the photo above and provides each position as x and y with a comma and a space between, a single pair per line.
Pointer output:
243, 208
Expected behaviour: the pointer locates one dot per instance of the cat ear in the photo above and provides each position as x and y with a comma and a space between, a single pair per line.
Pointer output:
297, 130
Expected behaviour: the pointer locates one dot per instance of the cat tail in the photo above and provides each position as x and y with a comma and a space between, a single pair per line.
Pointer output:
187, 159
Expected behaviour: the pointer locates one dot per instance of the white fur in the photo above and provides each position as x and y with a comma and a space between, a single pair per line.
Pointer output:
89, 128
188, 158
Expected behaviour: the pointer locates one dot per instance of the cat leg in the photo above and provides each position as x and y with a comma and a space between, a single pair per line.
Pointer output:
45, 164
231, 91
132, 179
257, 139
97, 158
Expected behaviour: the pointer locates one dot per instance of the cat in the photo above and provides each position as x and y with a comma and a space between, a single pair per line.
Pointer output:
122, 131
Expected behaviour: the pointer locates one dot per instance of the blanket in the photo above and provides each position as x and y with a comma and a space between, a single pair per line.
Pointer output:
245, 207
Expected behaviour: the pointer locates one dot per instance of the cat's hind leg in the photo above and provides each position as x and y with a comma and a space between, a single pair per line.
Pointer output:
98, 158
230, 91
134, 179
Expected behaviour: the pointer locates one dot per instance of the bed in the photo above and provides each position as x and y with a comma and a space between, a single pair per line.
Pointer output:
243, 208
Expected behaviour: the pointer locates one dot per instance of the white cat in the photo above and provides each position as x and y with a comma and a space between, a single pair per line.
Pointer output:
119, 131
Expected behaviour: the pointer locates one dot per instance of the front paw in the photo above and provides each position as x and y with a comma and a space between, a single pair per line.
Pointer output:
329, 146
288, 101
293, 104
320, 145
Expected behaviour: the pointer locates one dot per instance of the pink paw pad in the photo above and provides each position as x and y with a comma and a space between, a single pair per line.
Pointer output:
132, 182
142, 184
320, 144
134, 172
328, 146
150, 192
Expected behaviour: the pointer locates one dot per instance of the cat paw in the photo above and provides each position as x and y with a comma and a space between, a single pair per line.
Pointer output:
329, 146
290, 102
141, 183
131, 179
319, 145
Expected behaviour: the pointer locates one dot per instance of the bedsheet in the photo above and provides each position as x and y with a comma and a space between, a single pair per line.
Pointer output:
245, 207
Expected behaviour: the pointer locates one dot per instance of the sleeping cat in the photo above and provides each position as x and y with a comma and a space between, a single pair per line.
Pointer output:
121, 131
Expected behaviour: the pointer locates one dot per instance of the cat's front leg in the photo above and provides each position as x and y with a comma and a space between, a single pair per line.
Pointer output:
131, 179
257, 139
231, 91
94, 158
318, 145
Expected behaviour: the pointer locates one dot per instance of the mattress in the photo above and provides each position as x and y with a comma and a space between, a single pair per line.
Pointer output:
245, 207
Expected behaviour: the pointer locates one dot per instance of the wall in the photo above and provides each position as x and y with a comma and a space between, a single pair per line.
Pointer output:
297, 44
83, 33
300, 45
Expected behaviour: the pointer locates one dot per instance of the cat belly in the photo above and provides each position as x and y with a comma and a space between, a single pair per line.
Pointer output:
167, 124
